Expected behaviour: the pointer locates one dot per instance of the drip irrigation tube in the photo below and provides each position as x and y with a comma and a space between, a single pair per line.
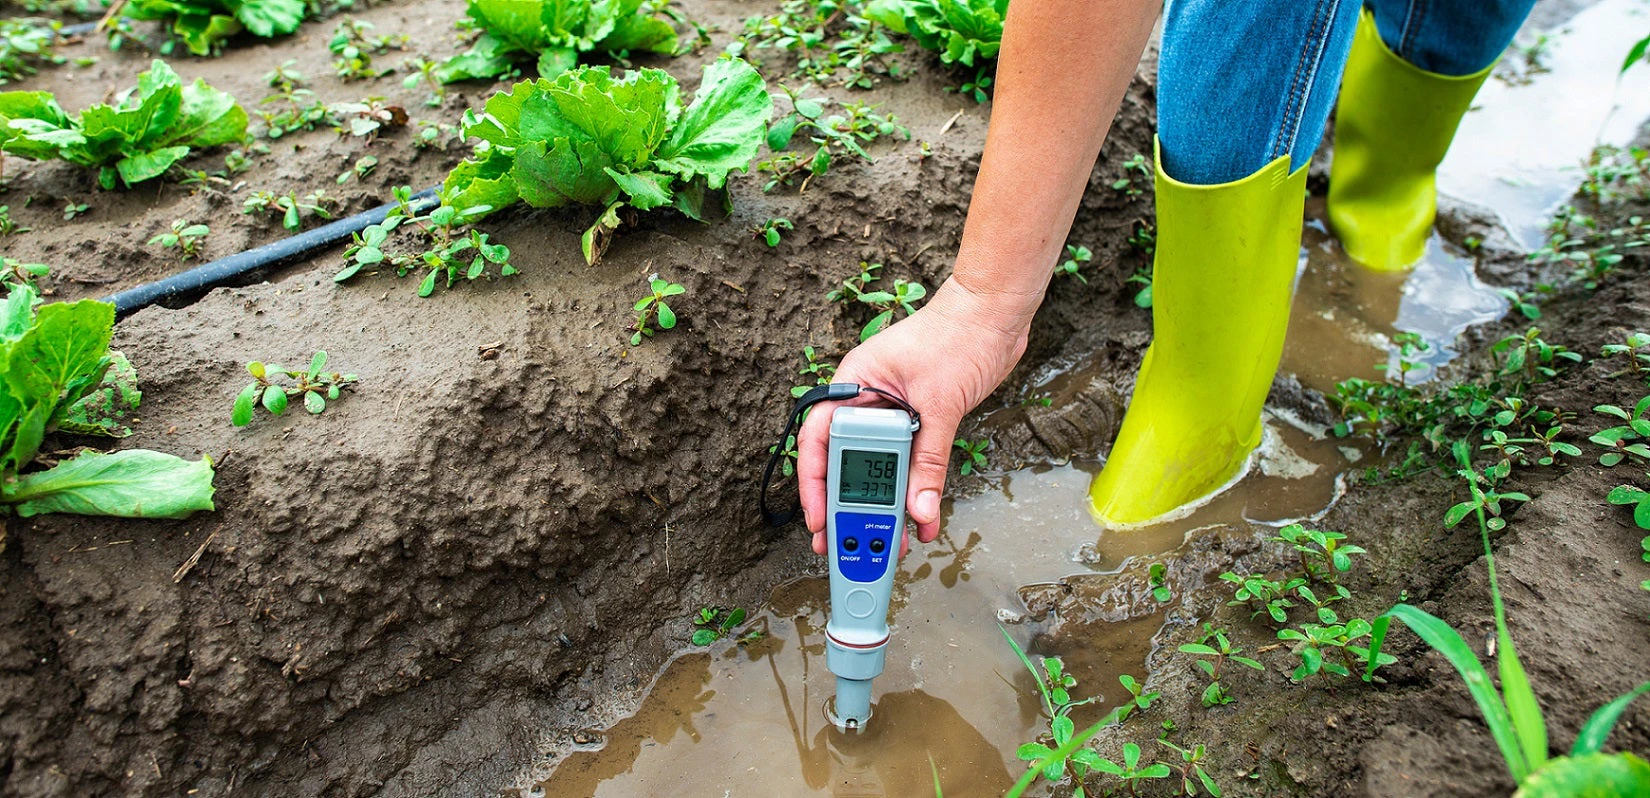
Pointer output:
276, 253
77, 29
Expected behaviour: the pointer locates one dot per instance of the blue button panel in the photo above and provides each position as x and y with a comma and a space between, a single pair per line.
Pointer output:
873, 545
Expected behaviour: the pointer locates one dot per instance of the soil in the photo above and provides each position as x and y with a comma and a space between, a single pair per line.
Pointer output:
432, 584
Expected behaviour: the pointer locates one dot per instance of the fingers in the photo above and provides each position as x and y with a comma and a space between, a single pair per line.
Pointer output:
930, 454
812, 451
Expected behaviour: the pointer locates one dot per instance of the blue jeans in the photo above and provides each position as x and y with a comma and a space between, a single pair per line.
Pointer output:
1244, 82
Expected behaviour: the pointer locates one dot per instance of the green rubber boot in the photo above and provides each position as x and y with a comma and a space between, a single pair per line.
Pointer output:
1224, 275
1393, 123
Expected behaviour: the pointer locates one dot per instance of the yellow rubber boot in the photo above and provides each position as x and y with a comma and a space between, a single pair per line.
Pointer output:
1224, 276
1393, 123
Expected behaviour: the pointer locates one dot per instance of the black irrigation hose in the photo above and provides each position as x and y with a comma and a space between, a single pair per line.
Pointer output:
76, 29
276, 253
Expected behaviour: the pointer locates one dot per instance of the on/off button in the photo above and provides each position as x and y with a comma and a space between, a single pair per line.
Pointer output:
859, 603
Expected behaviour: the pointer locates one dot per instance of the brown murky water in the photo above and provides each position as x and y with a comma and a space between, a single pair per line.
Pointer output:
748, 720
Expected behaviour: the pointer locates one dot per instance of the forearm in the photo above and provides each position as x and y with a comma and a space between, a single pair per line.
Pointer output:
1061, 74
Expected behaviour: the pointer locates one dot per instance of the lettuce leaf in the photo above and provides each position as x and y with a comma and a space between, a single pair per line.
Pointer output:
204, 25
135, 483
138, 138
965, 32
590, 138
553, 33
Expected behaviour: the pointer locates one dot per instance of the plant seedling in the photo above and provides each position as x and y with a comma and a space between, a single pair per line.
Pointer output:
1157, 578
1137, 698
285, 77
771, 231
973, 454
7, 226
289, 207
886, 303
1314, 546
185, 237
1130, 771
1192, 767
1218, 654
1639, 500
1054, 686
1256, 590
834, 136
355, 48
812, 366
832, 40
1136, 167
423, 70
363, 166
1638, 362
787, 459
652, 309
1628, 440
312, 386
365, 119
1143, 277
1530, 356
715, 623
447, 244
854, 286
1076, 256
73, 209
1484, 498
976, 87
15, 272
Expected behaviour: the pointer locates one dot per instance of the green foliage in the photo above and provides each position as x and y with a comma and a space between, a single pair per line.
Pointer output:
1143, 239
1631, 439
1635, 54
787, 458
770, 231
1135, 168
973, 454
1639, 500
555, 33
588, 138
1054, 686
71, 209
311, 386
365, 165
185, 237
711, 624
1530, 357
887, 303
812, 366
966, 33
290, 207
854, 286
423, 70
834, 137
1218, 650
651, 309
1593, 254
1638, 362
1076, 256
1323, 554
833, 42
1263, 595
8, 226
285, 76
205, 25
1614, 174
146, 131
1157, 578
1192, 773
15, 272
450, 247
57, 376
25, 43
354, 47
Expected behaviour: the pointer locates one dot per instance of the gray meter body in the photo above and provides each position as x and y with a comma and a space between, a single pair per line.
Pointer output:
870, 457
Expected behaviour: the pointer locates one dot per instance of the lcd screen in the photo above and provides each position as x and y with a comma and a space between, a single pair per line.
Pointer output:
868, 477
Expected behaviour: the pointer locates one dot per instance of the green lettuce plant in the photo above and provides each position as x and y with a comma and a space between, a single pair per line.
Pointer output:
59, 374
590, 138
965, 33
204, 25
555, 33
147, 129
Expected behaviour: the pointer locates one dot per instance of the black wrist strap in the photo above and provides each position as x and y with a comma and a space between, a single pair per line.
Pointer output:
834, 392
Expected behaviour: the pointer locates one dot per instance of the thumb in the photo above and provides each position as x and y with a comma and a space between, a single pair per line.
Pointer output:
930, 454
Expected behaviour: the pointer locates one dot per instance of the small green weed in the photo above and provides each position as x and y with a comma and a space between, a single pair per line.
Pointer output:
365, 165
1639, 500
652, 309
73, 209
285, 77
1264, 596
854, 286
1631, 439
1217, 650
772, 230
15, 272
290, 207
1136, 168
887, 303
834, 137
447, 243
833, 42
812, 366
1157, 580
715, 623
1638, 362
354, 47
1190, 768
1324, 555
1076, 256
312, 386
185, 237
973, 454
9, 227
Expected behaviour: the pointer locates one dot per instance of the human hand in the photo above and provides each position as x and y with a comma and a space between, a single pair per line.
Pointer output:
944, 359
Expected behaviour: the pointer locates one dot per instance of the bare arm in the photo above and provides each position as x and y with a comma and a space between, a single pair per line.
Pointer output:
1061, 74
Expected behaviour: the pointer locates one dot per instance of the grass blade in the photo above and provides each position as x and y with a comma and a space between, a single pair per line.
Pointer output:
1061, 753
1448, 642
1522, 708
1048, 703
935, 769
1597, 728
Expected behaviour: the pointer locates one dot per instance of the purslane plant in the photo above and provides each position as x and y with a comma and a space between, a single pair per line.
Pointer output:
314, 387
452, 248
23, 44
590, 138
555, 33
204, 25
60, 374
139, 137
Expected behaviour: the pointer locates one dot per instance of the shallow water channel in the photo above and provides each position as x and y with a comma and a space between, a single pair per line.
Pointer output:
748, 720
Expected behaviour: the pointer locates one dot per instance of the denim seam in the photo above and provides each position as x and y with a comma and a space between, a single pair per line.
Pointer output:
1311, 57
1414, 22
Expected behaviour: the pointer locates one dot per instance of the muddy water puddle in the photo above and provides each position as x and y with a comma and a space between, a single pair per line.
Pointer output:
747, 720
